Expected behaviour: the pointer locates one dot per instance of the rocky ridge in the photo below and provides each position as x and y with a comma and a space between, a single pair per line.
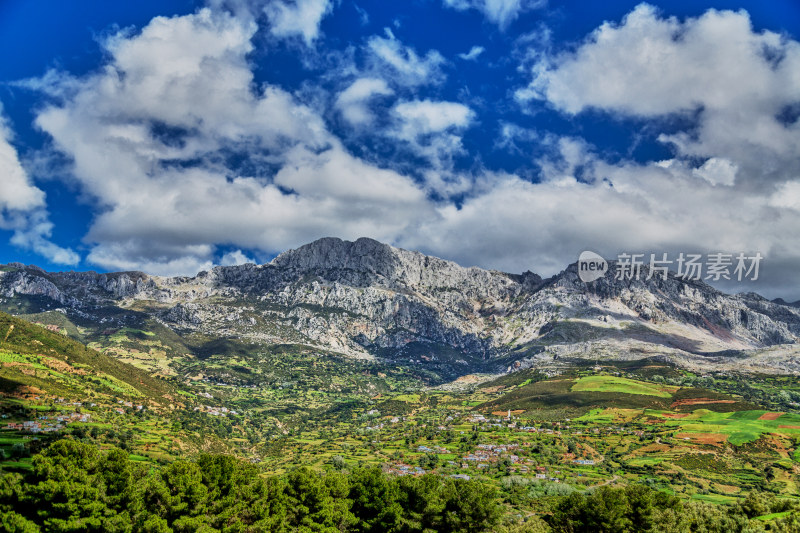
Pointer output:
368, 299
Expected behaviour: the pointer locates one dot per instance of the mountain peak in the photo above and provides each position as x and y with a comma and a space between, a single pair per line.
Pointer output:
331, 253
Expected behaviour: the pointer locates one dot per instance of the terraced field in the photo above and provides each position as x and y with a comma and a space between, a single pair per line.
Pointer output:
737, 428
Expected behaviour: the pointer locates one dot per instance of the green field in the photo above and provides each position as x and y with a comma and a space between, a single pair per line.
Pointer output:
740, 427
621, 385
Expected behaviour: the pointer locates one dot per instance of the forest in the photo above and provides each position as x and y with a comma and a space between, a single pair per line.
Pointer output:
76, 486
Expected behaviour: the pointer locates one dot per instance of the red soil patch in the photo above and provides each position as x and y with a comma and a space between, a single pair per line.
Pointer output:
770, 416
699, 401
715, 439
789, 427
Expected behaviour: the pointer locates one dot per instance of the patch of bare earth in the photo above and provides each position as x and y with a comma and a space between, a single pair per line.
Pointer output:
61, 366
26, 392
714, 439
728, 489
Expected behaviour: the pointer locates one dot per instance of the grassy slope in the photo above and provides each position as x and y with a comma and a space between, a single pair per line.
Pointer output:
35, 357
622, 385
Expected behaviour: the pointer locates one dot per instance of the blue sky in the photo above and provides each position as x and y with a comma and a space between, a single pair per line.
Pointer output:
172, 136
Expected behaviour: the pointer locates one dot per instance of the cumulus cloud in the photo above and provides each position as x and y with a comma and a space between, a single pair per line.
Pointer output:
422, 117
732, 181
154, 135
433, 131
32, 231
513, 224
23, 208
353, 102
405, 65
16, 190
648, 65
500, 12
737, 81
717, 171
787, 195
236, 257
297, 17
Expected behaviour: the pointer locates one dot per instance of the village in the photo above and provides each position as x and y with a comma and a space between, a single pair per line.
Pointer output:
48, 424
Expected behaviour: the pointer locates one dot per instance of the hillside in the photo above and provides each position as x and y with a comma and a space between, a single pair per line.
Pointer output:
37, 362
369, 300
534, 442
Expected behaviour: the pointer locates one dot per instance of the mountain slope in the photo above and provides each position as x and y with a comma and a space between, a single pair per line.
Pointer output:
36, 361
367, 299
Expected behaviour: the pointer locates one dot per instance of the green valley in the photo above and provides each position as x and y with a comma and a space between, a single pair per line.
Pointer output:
533, 438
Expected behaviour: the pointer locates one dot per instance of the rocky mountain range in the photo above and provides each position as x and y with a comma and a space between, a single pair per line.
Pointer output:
366, 299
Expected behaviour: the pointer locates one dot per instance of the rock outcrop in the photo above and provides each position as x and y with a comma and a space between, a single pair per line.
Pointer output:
366, 299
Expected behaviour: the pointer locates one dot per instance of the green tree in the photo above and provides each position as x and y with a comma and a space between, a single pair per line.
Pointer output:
374, 498
469, 506
421, 501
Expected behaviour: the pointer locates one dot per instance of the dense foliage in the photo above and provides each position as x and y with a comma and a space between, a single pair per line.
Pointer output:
636, 508
77, 487
74, 486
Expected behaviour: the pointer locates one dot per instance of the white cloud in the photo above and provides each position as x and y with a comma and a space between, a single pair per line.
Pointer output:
363, 16
16, 190
236, 257
23, 207
787, 195
648, 66
500, 12
128, 255
717, 171
353, 102
405, 66
33, 232
151, 135
514, 225
433, 131
422, 117
302, 18
473, 53
511, 135
732, 86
